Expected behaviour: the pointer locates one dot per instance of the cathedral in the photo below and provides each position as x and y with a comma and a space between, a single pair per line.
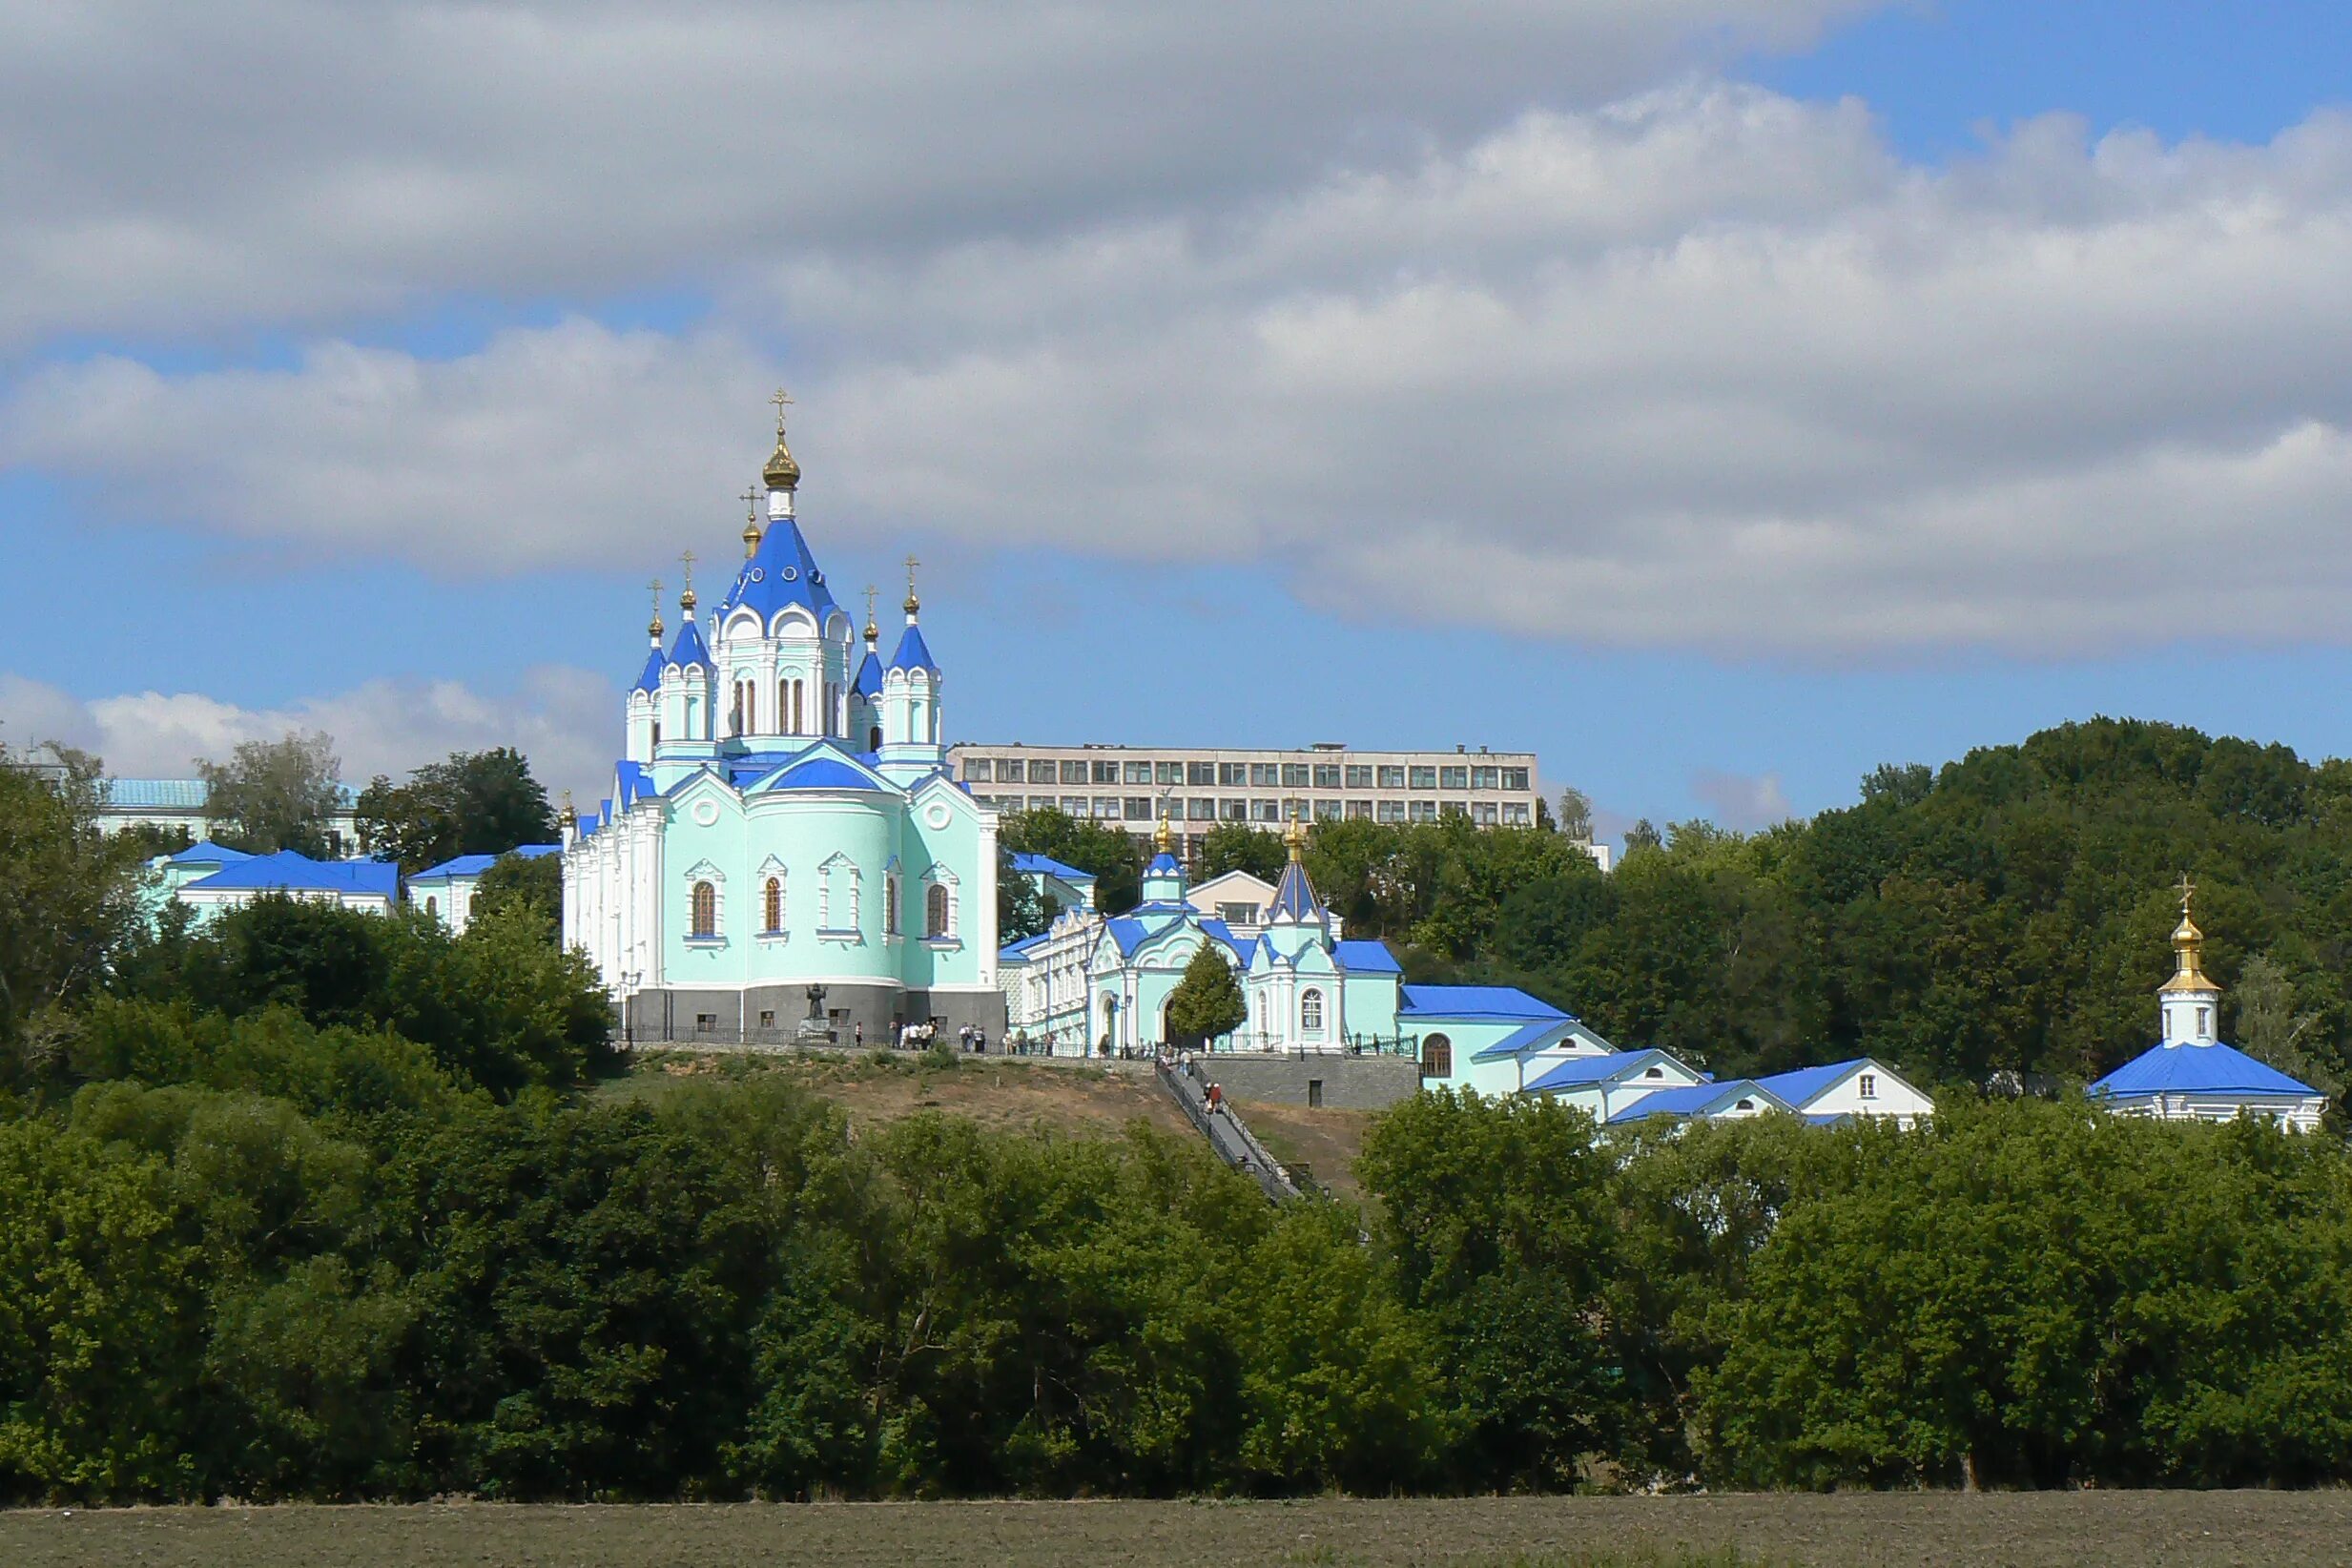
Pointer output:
783, 852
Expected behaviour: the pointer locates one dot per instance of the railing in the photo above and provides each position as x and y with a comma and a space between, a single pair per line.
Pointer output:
1226, 1133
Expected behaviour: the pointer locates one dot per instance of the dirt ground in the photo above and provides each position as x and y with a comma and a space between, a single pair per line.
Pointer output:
996, 1091
1325, 1139
2168, 1530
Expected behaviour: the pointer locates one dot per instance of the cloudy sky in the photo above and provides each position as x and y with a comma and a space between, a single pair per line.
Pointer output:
1719, 397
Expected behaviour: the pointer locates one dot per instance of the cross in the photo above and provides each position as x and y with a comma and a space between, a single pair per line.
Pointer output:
2187, 890
688, 556
911, 564
750, 504
870, 597
656, 587
783, 399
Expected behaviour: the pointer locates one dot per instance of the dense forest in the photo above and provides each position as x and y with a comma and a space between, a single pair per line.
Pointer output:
318, 1204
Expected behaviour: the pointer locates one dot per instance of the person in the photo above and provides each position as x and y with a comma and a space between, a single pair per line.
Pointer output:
1216, 1097
980, 1040
858, 1033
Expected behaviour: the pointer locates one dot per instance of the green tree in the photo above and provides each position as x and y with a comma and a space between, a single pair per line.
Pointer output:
275, 794
473, 803
70, 898
1237, 846
1104, 850
1021, 910
533, 880
1576, 815
1206, 1003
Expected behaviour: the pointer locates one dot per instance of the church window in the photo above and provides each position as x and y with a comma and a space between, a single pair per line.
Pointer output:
2205, 1021
1868, 1088
837, 895
432, 906
873, 738
751, 707
800, 714
1311, 1013
935, 911
772, 907
706, 910
1436, 1057
657, 731
890, 905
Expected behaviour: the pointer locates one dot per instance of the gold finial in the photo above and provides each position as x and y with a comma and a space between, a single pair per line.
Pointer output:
873, 632
2188, 947
686, 600
1296, 836
653, 628
913, 604
783, 472
569, 815
751, 523
1164, 836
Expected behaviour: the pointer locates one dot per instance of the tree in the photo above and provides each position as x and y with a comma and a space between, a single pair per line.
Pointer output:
2270, 1029
1576, 815
1107, 853
1207, 1003
1237, 846
69, 895
1644, 834
275, 794
535, 881
1021, 910
474, 803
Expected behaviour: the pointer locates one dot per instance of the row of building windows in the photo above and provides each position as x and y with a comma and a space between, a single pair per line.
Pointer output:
1286, 775
939, 907
1203, 809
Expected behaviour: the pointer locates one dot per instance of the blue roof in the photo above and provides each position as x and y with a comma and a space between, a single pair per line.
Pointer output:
822, 772
1294, 898
650, 679
1366, 958
1164, 864
157, 794
1527, 1037
868, 682
1579, 1071
474, 865
1021, 948
914, 654
781, 572
2198, 1069
1698, 1099
689, 649
1219, 931
1801, 1084
208, 852
1128, 933
1499, 1001
288, 871
1046, 865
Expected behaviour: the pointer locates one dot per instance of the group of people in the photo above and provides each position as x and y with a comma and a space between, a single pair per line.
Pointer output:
1212, 1094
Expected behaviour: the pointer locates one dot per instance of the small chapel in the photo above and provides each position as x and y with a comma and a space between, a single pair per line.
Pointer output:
782, 852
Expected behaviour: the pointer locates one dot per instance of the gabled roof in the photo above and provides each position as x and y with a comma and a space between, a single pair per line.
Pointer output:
289, 871
1045, 865
1801, 1085
1527, 1037
1472, 1001
1020, 950
2199, 1069
914, 654
474, 865
1366, 958
1220, 931
1583, 1072
819, 766
1699, 1099
207, 853
781, 572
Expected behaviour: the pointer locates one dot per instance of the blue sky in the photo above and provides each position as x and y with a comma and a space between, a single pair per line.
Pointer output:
1189, 462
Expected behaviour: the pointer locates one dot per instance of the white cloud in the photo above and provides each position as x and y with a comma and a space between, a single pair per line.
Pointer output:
188, 169
563, 719
1744, 802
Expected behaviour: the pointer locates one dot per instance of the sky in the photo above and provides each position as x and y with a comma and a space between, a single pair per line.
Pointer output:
1718, 397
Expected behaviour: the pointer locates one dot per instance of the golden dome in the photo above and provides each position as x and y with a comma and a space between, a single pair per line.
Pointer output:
2188, 950
1296, 836
783, 471
1163, 836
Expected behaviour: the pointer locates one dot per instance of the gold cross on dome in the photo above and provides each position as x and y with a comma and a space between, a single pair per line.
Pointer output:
750, 504
911, 564
782, 400
656, 587
871, 596
688, 558
2188, 890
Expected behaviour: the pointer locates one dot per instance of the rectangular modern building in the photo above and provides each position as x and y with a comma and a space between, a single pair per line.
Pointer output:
1198, 787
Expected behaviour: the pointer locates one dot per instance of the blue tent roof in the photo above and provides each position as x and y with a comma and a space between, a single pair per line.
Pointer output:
1579, 1071
1698, 1099
1498, 1001
1164, 864
868, 682
689, 649
289, 871
781, 572
1045, 865
649, 678
1800, 1085
1294, 898
1366, 958
208, 852
914, 654
2198, 1069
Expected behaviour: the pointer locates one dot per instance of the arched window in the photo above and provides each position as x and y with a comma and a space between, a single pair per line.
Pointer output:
890, 903
773, 908
935, 911
873, 738
657, 730
1311, 1013
432, 906
1436, 1057
783, 701
706, 910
